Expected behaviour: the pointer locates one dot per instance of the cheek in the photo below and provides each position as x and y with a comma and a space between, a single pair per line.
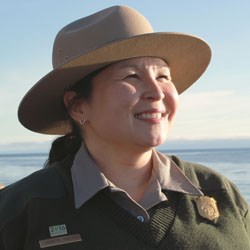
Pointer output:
114, 100
172, 99
122, 97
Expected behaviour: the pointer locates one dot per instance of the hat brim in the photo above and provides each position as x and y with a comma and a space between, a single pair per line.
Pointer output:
41, 110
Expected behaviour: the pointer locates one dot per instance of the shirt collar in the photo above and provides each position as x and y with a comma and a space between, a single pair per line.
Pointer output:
170, 175
89, 180
86, 176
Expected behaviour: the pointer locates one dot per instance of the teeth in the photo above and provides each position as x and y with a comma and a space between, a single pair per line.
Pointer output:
149, 116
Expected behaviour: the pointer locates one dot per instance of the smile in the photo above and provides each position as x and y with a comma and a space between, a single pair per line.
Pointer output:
148, 116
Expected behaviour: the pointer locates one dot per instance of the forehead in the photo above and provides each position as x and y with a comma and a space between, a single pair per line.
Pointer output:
140, 63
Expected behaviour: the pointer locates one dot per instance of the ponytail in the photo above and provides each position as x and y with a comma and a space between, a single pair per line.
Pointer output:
64, 146
69, 144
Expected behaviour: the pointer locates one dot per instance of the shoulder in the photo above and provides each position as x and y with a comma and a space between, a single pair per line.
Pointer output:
210, 181
203, 177
45, 183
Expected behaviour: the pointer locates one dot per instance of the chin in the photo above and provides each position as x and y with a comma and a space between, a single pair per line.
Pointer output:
151, 140
155, 142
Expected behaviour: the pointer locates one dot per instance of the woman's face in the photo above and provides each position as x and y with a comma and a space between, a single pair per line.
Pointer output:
133, 103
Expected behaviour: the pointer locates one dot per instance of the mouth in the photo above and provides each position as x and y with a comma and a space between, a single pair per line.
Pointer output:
151, 115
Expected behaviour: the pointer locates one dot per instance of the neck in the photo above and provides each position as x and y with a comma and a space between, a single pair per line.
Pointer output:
129, 170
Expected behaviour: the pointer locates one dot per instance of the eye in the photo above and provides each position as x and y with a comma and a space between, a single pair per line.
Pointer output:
133, 75
163, 76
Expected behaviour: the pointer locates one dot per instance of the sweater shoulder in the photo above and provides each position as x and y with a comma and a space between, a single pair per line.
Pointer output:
209, 180
201, 176
45, 183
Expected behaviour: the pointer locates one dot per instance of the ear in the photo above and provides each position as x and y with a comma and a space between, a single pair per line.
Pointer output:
74, 106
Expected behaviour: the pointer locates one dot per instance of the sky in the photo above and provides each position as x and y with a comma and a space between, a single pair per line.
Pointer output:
217, 106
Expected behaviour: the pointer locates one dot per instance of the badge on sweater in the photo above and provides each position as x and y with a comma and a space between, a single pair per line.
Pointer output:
207, 207
57, 230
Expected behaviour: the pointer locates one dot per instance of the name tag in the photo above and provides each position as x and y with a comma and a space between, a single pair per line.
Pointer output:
57, 230
60, 240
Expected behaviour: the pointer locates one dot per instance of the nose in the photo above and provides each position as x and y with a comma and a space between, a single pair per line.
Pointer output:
153, 90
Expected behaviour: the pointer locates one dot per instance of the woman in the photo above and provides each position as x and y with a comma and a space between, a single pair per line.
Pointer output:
113, 94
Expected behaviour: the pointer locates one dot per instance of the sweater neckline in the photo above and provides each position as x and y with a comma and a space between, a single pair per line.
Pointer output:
151, 233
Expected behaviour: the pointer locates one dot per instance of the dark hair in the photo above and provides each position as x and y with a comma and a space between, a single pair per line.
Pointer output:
69, 144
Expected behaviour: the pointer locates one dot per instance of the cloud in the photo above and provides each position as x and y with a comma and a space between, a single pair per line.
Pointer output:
203, 99
214, 114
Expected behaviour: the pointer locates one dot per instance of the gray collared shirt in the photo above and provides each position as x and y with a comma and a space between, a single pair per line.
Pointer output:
89, 180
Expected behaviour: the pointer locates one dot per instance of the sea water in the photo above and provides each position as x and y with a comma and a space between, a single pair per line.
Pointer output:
233, 163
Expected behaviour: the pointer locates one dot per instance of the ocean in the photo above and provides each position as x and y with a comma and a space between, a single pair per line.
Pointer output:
233, 163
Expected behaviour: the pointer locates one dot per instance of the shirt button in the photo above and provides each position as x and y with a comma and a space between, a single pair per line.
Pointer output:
140, 218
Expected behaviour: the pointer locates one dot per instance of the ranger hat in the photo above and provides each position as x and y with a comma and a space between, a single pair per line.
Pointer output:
113, 34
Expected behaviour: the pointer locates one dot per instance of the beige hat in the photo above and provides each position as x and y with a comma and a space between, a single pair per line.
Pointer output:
110, 35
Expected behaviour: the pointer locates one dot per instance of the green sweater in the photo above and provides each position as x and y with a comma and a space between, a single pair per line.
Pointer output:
39, 211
